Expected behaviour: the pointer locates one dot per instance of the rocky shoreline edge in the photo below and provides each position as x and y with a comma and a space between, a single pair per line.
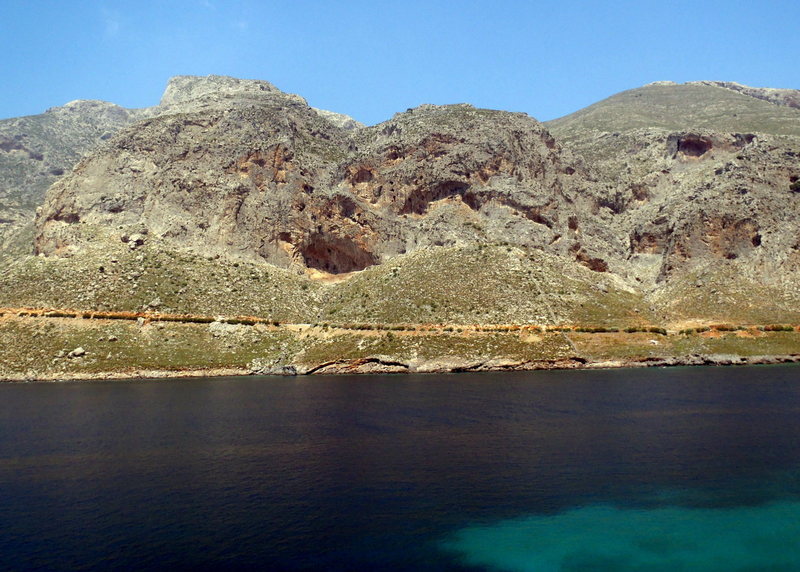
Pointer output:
379, 365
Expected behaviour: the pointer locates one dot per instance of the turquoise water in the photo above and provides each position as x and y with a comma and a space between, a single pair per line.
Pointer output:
621, 539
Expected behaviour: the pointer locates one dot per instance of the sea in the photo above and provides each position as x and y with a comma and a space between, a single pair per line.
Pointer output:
656, 469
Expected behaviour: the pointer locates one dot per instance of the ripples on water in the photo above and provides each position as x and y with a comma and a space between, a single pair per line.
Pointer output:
686, 469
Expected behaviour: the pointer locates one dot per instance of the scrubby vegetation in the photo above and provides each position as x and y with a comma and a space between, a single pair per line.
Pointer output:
482, 284
677, 108
150, 279
41, 347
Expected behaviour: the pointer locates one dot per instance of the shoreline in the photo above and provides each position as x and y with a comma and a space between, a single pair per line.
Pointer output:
53, 345
376, 366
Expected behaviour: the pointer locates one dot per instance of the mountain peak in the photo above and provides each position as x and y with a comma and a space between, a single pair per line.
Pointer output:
183, 89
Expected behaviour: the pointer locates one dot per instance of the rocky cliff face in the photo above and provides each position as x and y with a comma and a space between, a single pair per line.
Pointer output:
705, 193
241, 170
674, 200
36, 150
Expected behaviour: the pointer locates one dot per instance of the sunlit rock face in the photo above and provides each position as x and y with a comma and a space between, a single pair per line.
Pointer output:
36, 150
685, 193
699, 178
240, 169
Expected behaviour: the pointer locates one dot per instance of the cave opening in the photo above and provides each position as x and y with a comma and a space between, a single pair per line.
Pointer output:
335, 254
693, 146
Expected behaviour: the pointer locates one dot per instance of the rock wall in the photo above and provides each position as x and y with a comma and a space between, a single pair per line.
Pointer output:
242, 170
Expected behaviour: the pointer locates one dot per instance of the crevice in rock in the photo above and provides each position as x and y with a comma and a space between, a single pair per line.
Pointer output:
538, 218
592, 263
361, 175
572, 222
694, 146
419, 199
70, 218
645, 242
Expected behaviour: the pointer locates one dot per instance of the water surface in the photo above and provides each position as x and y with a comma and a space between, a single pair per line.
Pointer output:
684, 468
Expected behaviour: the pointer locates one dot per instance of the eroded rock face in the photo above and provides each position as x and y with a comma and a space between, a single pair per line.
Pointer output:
696, 145
694, 199
334, 254
226, 178
692, 145
36, 150
195, 90
240, 169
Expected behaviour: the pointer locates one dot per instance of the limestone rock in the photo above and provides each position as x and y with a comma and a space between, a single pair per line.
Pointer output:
699, 180
76, 353
260, 366
36, 150
249, 172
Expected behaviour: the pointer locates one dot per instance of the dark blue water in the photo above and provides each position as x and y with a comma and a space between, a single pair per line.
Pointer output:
679, 469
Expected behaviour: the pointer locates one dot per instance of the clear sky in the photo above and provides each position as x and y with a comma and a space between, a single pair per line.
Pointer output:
372, 59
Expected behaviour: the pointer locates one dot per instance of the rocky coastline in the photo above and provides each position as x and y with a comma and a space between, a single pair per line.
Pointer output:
379, 366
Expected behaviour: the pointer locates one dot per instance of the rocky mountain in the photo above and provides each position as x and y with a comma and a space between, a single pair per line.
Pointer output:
788, 97
36, 150
241, 170
659, 207
660, 185
700, 180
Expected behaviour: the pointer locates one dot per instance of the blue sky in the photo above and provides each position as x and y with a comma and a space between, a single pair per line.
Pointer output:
371, 59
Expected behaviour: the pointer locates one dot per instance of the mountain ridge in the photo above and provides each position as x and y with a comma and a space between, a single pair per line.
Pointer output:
662, 207
36, 150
